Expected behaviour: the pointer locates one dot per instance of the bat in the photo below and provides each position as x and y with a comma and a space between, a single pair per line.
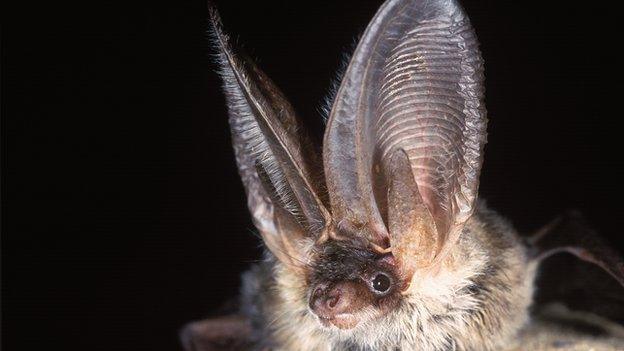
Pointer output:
380, 242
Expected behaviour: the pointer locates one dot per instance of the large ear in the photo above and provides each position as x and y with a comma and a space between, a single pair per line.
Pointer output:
272, 154
415, 83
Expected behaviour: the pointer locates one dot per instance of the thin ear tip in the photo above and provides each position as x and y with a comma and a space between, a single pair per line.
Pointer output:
214, 21
212, 8
215, 26
218, 39
448, 5
448, 8
425, 10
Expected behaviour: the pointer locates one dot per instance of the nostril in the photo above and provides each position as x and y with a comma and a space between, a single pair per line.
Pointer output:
333, 298
333, 301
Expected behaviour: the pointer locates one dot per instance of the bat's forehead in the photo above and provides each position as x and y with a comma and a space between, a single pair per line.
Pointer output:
343, 260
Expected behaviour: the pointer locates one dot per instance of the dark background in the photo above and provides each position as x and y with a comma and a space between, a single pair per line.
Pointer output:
123, 215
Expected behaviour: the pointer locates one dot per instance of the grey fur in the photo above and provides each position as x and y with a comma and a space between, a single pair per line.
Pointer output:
490, 302
402, 154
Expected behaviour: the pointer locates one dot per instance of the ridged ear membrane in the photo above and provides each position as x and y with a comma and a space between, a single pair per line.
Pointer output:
272, 154
415, 83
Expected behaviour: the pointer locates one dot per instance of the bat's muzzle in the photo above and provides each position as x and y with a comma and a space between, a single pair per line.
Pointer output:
338, 304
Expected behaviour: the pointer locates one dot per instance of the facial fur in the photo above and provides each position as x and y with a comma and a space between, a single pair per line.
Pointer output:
388, 249
348, 284
477, 302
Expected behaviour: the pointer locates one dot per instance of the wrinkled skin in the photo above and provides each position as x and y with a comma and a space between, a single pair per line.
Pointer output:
382, 245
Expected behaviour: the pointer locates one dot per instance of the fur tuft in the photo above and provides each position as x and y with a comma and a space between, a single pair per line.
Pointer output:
479, 301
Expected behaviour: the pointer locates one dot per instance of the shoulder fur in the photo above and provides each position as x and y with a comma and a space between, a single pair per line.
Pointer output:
468, 305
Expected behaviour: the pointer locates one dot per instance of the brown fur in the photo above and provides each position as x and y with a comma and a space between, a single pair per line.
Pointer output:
389, 250
478, 301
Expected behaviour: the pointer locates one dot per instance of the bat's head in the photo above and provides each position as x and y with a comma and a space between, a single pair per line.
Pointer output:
348, 283
398, 175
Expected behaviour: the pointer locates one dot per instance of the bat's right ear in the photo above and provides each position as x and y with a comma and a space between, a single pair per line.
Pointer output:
404, 142
272, 154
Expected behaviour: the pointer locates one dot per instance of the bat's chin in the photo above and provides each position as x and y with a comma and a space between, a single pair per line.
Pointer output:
343, 321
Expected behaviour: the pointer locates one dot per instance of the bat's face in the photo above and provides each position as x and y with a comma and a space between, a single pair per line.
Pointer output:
399, 171
366, 235
349, 284
351, 292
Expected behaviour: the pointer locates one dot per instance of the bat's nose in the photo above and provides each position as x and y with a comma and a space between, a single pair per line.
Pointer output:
341, 298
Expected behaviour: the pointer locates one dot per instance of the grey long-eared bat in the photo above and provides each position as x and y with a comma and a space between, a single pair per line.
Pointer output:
381, 242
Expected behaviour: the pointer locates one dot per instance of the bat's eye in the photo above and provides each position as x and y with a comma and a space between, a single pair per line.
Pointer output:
381, 283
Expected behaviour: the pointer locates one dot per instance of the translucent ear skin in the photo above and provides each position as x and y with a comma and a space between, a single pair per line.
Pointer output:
413, 235
402, 156
267, 135
415, 82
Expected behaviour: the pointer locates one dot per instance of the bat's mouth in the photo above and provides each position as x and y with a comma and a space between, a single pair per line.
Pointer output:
343, 321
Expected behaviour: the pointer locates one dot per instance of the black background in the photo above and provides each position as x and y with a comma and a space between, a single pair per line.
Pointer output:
123, 215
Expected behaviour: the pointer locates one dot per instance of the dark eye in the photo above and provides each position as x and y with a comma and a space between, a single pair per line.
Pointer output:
381, 283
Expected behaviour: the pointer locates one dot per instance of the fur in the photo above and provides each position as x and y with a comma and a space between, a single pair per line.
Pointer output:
394, 197
479, 301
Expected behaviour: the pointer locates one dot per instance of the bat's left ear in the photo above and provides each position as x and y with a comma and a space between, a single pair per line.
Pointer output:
404, 144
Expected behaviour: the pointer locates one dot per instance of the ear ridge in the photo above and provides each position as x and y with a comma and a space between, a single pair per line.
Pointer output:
415, 83
266, 132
